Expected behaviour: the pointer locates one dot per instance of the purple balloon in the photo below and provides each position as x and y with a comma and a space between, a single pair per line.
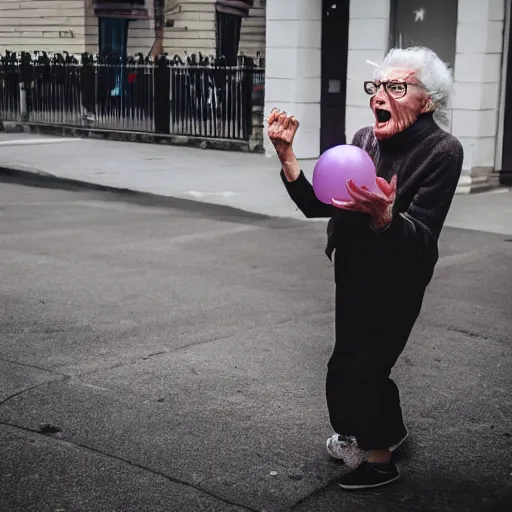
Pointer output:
339, 164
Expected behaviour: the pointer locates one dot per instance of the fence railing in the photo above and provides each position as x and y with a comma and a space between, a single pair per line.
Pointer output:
10, 89
199, 97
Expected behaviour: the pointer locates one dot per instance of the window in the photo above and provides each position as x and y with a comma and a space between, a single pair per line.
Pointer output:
113, 33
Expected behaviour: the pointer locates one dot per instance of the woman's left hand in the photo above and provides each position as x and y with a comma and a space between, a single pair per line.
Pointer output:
378, 205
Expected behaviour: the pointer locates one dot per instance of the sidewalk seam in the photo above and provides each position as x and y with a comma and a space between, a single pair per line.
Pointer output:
134, 464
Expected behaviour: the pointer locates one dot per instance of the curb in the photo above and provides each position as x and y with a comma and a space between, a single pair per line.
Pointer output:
43, 180
129, 136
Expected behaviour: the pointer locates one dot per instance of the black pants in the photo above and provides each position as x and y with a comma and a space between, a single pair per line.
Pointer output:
373, 325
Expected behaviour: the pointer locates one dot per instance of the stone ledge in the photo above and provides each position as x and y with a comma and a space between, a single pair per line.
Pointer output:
127, 136
478, 179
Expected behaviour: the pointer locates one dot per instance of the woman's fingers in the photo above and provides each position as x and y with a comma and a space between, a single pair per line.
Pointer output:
363, 195
384, 186
388, 189
394, 181
281, 127
348, 205
282, 119
274, 114
287, 122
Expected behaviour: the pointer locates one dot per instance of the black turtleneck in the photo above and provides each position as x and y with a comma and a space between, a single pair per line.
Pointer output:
428, 163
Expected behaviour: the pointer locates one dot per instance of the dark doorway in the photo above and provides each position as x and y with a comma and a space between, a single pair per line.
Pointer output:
228, 36
430, 23
113, 35
335, 19
506, 162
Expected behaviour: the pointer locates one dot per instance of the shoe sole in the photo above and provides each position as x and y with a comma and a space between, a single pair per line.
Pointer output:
397, 445
355, 487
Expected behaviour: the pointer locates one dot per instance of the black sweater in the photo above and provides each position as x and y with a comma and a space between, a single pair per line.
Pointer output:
428, 162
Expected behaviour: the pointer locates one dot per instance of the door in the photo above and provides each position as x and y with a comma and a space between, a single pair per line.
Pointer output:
506, 162
335, 20
113, 34
430, 23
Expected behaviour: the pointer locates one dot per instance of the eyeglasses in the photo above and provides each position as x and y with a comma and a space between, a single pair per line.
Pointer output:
395, 89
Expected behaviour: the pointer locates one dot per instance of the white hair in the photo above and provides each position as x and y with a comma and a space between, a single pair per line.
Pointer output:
431, 71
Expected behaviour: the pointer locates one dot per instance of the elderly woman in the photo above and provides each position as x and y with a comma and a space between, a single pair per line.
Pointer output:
386, 248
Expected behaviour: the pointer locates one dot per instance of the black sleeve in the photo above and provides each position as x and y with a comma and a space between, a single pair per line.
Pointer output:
420, 226
303, 195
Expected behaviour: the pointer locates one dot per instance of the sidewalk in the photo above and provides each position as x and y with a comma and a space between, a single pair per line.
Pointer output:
243, 181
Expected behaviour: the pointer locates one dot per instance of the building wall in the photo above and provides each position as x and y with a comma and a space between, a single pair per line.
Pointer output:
292, 76
503, 88
63, 25
478, 74
50, 25
91, 28
141, 33
368, 40
194, 28
253, 34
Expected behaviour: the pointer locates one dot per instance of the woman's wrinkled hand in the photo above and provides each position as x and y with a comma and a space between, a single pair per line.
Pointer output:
281, 132
378, 205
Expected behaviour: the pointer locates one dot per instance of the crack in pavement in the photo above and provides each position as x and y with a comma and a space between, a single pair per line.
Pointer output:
33, 366
475, 336
135, 464
391, 495
175, 480
236, 330
26, 390
471, 334
312, 494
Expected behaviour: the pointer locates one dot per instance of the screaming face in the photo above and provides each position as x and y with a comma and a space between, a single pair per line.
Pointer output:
397, 102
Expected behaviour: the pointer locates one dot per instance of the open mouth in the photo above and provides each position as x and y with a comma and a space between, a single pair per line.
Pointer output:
383, 116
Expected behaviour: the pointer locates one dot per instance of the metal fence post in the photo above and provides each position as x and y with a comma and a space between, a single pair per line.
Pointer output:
162, 86
88, 89
26, 79
247, 93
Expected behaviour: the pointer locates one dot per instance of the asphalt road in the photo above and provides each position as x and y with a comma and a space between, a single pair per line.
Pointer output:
178, 353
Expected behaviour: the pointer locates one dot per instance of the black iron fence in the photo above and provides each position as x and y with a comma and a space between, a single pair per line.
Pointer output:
200, 97
10, 88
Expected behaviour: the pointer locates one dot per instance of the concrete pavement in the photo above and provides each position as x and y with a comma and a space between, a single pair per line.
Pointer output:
181, 355
239, 180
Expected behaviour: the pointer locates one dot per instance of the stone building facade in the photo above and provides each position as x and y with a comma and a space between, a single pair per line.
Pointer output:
145, 26
191, 26
76, 26
471, 35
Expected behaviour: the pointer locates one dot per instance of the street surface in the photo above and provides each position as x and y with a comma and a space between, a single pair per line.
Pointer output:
171, 357
243, 181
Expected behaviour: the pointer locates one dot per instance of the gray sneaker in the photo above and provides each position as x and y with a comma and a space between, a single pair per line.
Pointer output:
345, 448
